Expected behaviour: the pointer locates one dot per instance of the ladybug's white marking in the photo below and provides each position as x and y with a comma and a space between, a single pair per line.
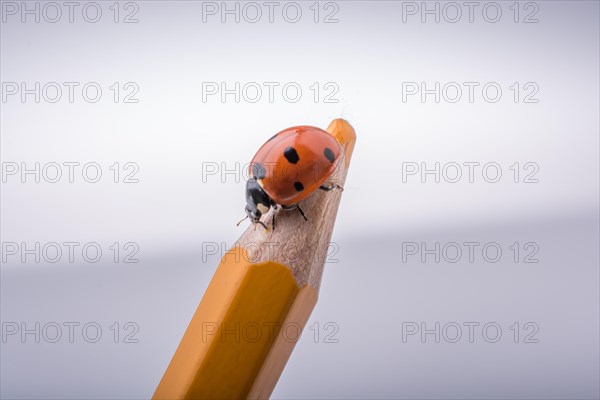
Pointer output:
262, 208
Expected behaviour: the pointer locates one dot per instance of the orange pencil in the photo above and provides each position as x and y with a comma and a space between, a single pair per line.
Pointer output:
258, 301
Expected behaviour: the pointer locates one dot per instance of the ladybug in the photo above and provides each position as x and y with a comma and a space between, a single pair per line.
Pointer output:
288, 168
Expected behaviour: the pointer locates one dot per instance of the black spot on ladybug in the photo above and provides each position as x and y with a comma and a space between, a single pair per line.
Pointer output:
329, 154
258, 170
299, 186
291, 155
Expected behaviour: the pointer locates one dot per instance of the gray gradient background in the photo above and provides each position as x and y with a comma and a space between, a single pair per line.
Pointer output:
369, 292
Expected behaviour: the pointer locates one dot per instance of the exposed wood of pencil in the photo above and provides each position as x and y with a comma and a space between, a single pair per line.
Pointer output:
237, 343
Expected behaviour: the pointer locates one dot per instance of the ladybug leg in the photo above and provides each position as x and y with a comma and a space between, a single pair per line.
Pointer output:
276, 208
273, 218
301, 212
260, 223
331, 187
299, 209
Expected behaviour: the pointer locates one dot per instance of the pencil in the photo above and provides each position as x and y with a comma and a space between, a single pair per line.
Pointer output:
258, 300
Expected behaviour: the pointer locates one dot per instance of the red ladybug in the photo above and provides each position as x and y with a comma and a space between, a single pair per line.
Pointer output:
288, 168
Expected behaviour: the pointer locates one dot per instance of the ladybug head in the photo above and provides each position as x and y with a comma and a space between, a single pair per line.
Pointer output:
257, 201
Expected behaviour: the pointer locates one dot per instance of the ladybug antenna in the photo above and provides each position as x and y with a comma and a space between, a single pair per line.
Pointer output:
238, 224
